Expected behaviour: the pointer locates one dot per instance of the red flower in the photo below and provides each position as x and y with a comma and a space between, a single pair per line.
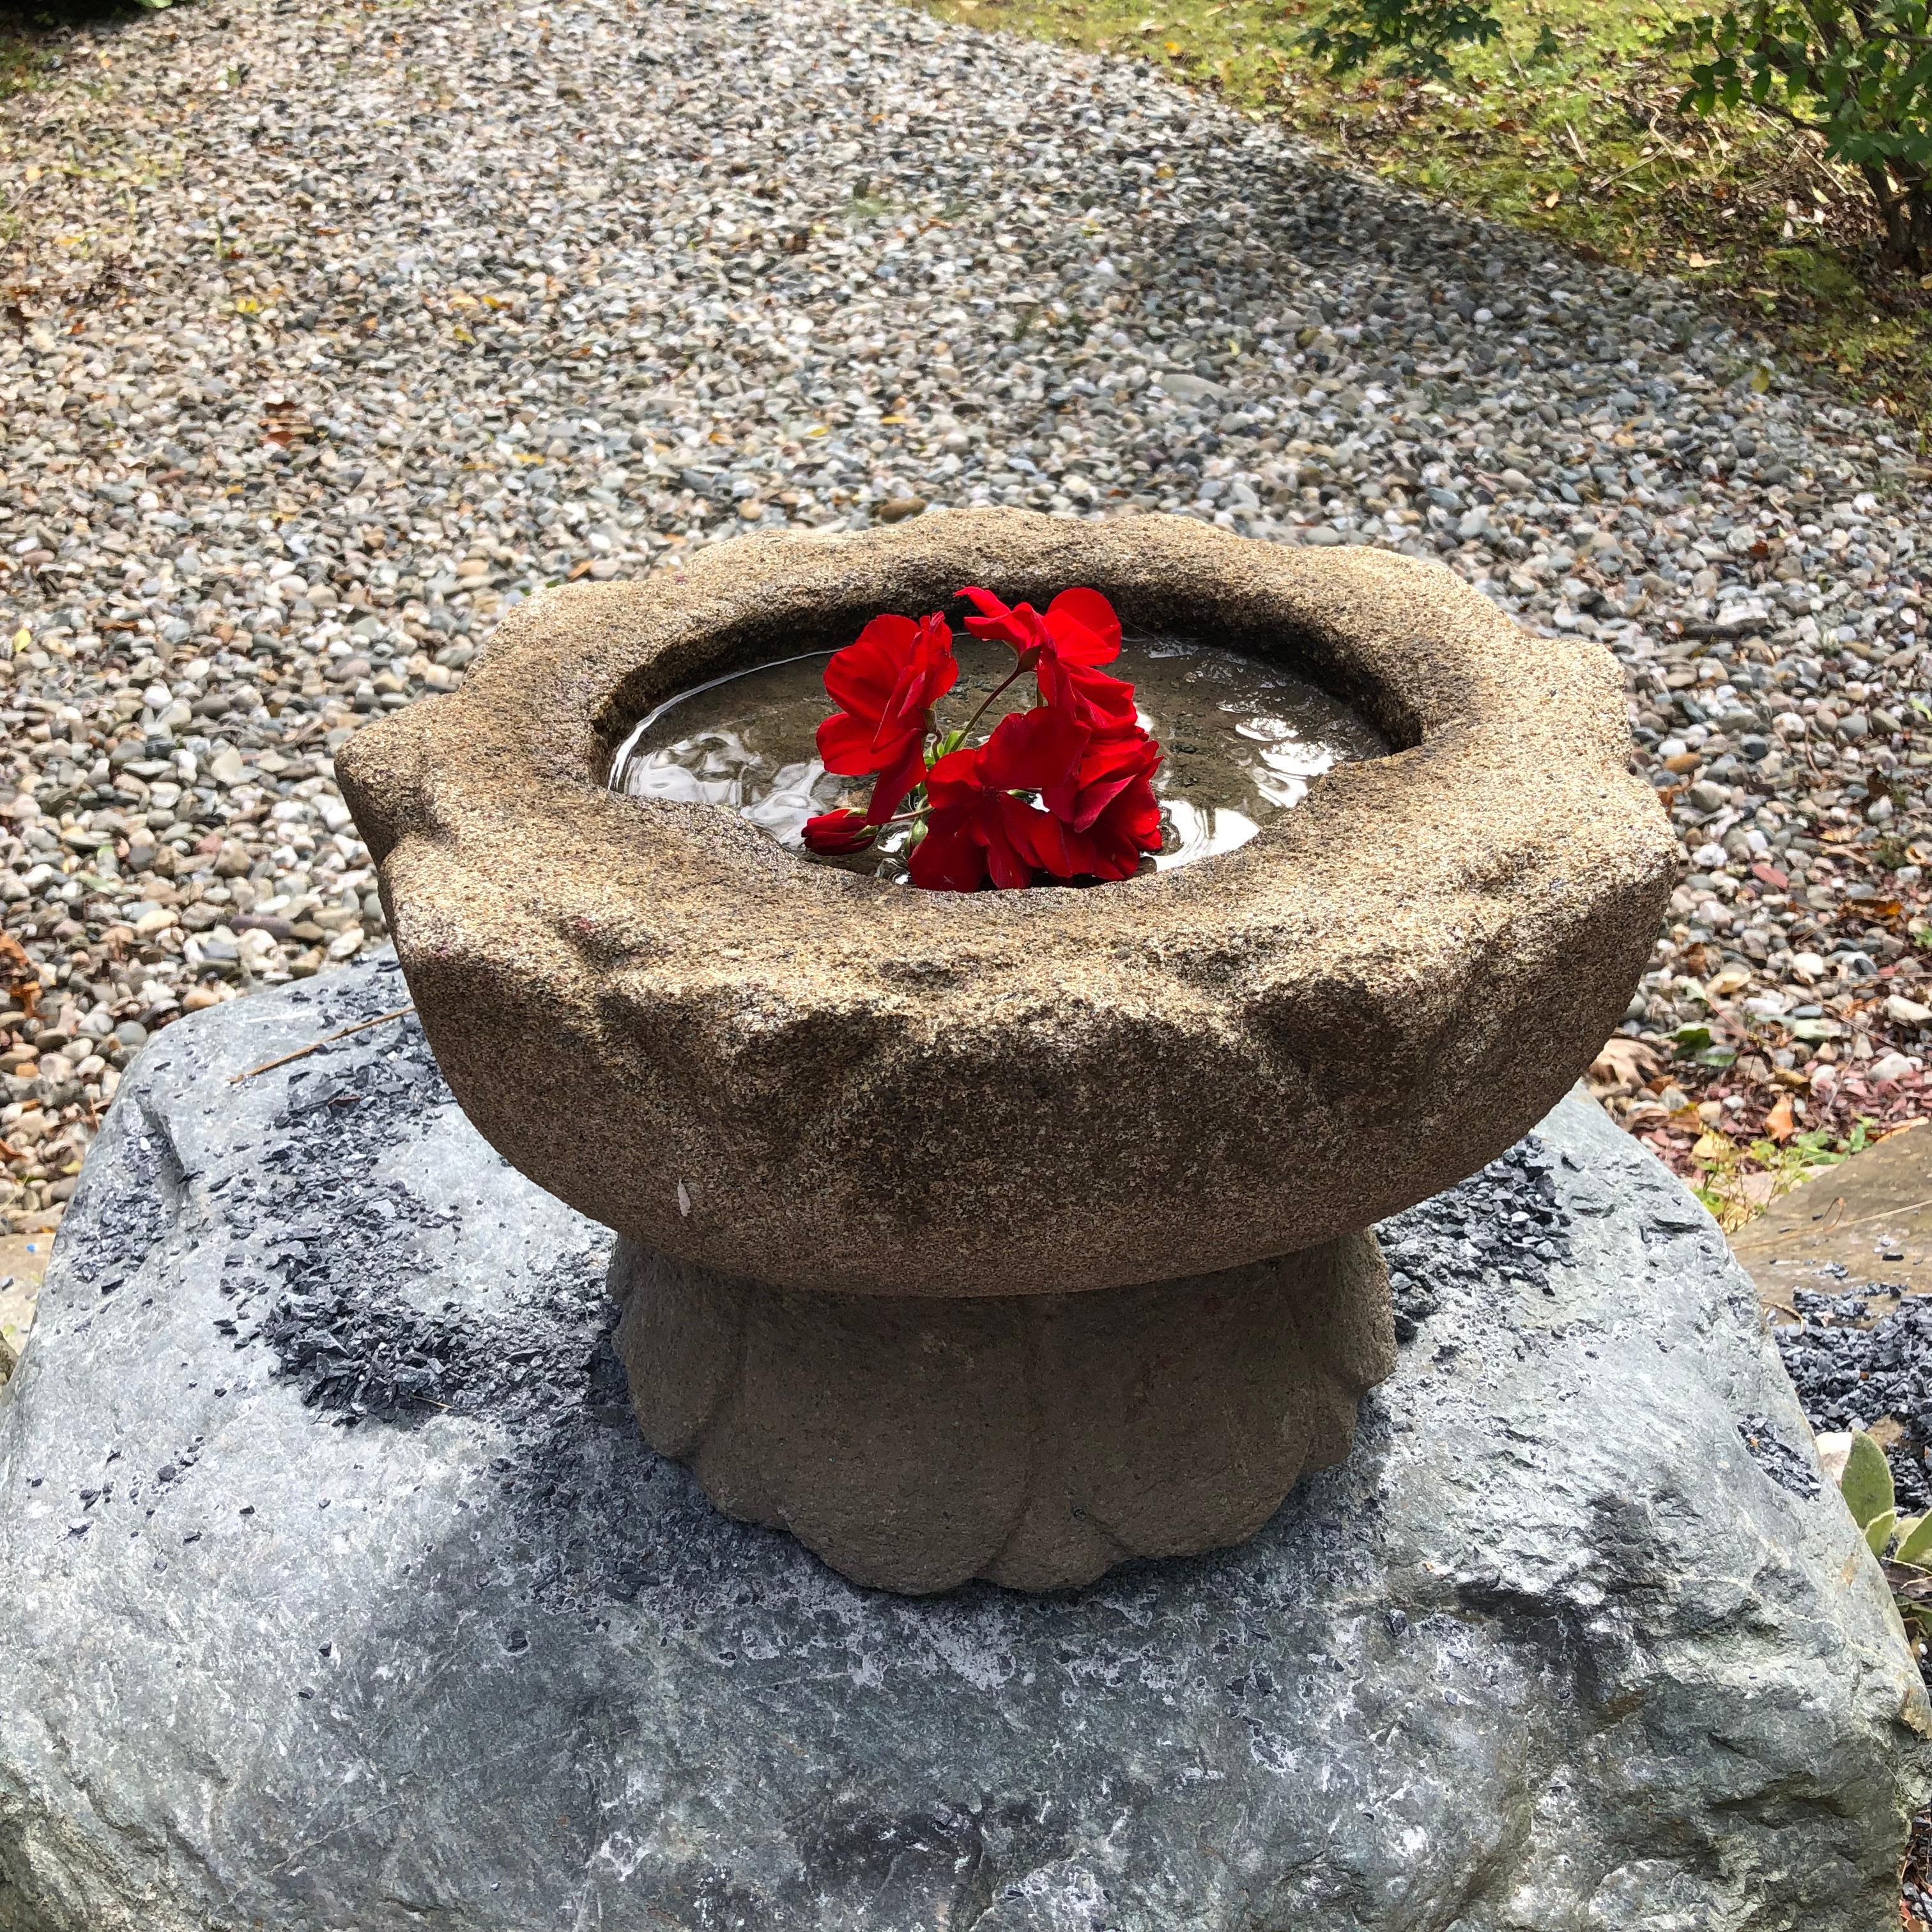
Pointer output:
887, 682
836, 833
1108, 802
1078, 631
978, 829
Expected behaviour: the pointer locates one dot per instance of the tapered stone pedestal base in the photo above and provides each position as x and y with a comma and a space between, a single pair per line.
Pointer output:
915, 1441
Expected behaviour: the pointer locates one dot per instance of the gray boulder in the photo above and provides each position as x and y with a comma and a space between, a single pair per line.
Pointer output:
338, 1590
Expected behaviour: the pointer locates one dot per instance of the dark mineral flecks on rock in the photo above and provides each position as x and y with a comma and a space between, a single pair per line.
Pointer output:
1507, 1216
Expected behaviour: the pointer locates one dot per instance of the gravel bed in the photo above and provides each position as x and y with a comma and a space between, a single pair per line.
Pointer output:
329, 332
1856, 1367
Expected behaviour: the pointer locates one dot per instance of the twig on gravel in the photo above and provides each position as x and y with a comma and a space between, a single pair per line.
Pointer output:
315, 1046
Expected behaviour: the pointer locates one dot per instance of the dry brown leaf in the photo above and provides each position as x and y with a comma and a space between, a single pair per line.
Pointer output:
19, 973
1623, 1066
1780, 1124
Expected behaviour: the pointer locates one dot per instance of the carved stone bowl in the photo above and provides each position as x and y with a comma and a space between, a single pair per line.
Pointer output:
806, 1100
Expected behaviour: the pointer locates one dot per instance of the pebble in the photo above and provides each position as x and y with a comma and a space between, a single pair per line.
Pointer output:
354, 327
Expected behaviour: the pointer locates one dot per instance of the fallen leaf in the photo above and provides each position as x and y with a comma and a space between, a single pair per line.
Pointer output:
1780, 1124
1623, 1066
1770, 876
22, 977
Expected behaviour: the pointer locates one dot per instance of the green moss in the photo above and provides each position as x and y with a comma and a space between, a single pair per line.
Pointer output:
1585, 144
1821, 276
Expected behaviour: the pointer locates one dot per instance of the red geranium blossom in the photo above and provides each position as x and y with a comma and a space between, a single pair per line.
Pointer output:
887, 682
1108, 803
833, 834
978, 829
1081, 752
1077, 631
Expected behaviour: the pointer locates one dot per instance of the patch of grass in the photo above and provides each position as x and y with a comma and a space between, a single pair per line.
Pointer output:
1585, 143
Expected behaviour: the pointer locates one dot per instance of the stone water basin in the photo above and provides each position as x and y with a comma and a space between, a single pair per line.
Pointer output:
1014, 1235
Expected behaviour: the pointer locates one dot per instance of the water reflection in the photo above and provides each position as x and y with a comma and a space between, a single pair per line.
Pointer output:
1243, 741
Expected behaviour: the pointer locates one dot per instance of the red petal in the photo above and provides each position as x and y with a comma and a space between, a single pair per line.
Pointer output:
948, 862
954, 781
1031, 750
1137, 811
1109, 698
1085, 627
846, 744
1042, 841
1111, 763
985, 602
838, 832
861, 678
1020, 625
1100, 702
1009, 867
895, 780
930, 672
1129, 826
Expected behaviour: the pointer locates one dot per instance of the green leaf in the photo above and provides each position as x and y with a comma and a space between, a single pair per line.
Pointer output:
1867, 1487
1915, 1538
1814, 1030
1878, 1531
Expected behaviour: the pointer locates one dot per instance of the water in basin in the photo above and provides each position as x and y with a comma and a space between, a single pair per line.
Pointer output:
1243, 740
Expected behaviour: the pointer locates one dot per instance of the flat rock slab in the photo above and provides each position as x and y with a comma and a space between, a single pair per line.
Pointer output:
1863, 1228
337, 1590
23, 1260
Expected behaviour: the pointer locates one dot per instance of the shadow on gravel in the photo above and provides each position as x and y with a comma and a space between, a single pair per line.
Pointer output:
52, 16
31, 33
